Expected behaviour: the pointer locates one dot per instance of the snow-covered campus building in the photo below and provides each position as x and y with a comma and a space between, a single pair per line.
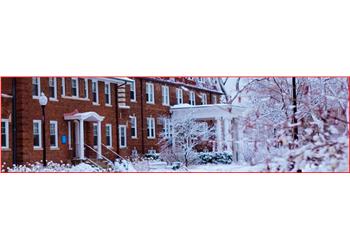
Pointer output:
90, 118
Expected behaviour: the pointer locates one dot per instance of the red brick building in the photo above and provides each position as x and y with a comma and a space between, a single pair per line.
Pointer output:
86, 117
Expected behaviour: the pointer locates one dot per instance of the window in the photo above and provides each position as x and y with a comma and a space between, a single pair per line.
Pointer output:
53, 88
165, 95
122, 136
75, 87
108, 93
179, 96
166, 128
53, 134
204, 99
86, 88
5, 134
63, 86
109, 135
95, 134
94, 92
215, 101
151, 131
37, 134
133, 122
133, 91
150, 93
36, 87
192, 99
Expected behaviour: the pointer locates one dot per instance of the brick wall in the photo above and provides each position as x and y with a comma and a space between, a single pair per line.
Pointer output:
28, 109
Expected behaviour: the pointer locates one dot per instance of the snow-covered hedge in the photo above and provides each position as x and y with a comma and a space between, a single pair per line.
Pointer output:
122, 166
215, 157
151, 156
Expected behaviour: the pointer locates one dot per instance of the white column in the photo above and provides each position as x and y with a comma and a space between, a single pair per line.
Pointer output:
81, 139
218, 134
227, 134
99, 143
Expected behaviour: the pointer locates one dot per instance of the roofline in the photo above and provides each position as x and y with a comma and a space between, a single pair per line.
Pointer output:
181, 84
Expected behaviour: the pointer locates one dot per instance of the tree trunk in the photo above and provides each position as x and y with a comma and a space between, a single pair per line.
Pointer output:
295, 109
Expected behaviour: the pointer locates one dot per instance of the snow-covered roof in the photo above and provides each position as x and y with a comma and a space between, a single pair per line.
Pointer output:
86, 116
207, 84
208, 111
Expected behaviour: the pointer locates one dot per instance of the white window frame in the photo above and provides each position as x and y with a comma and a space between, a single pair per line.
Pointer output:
40, 134
94, 126
95, 82
77, 81
179, 96
167, 127
151, 125
109, 127
108, 101
7, 135
56, 134
204, 98
63, 86
192, 98
165, 96
133, 120
38, 83
53, 80
133, 89
86, 88
120, 128
150, 93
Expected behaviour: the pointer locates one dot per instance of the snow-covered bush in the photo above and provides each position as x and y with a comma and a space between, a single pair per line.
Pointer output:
215, 157
151, 156
186, 134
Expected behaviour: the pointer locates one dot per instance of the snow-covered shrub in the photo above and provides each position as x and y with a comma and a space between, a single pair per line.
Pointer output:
151, 156
186, 134
215, 157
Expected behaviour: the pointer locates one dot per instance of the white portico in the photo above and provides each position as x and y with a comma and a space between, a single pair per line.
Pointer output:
78, 120
226, 118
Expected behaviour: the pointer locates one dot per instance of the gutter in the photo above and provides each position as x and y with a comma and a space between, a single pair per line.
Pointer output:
142, 119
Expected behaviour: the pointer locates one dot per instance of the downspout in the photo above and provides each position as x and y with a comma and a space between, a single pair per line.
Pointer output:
14, 123
142, 120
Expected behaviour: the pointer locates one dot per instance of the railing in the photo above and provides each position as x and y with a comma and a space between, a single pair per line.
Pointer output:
102, 156
115, 153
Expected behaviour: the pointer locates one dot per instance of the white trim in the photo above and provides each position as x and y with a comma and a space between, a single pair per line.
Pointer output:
151, 128
7, 134
133, 89
165, 95
94, 82
133, 119
150, 93
54, 81
38, 83
120, 137
108, 92
40, 134
109, 126
75, 98
77, 81
56, 134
